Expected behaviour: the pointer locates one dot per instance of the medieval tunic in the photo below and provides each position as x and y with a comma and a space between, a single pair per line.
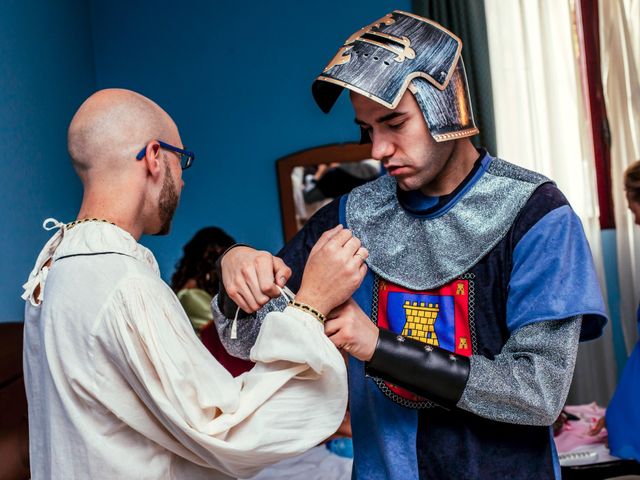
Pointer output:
119, 386
499, 271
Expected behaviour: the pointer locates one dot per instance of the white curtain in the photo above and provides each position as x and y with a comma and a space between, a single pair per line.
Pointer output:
542, 123
620, 56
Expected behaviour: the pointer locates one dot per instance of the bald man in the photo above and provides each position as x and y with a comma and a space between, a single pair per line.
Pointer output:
118, 384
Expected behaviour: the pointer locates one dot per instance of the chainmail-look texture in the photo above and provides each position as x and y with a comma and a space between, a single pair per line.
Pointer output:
528, 381
419, 254
247, 327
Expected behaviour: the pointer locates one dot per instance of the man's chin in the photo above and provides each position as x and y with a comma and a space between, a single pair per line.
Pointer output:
412, 183
164, 229
406, 186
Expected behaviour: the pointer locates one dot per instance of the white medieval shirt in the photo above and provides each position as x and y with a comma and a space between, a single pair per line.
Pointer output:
120, 387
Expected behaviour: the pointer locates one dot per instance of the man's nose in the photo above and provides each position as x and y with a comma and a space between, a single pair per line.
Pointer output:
381, 148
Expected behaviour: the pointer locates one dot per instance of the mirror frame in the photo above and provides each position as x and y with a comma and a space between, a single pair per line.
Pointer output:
342, 152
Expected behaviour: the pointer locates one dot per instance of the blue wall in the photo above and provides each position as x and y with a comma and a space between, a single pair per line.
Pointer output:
236, 77
46, 71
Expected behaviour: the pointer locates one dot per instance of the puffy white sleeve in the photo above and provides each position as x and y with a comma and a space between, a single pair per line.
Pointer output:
174, 392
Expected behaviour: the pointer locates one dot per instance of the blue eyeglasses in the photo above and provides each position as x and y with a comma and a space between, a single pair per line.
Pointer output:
186, 157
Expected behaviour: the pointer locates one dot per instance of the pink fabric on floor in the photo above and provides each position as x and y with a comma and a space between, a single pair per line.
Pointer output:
575, 433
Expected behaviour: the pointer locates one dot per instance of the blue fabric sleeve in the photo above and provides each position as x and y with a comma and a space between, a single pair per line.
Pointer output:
553, 276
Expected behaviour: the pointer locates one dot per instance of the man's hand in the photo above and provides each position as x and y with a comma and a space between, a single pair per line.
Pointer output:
352, 331
334, 270
250, 277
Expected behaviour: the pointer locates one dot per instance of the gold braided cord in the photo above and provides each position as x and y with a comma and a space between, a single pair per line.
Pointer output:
78, 222
307, 309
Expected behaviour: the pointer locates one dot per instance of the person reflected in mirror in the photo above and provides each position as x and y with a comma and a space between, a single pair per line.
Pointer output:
333, 180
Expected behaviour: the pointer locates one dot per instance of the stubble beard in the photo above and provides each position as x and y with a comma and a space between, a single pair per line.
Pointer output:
168, 202
437, 166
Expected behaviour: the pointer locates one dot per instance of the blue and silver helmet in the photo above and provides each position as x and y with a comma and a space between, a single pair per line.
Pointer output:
398, 52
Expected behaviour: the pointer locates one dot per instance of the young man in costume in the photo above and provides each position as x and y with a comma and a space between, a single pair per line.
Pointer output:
463, 335
118, 384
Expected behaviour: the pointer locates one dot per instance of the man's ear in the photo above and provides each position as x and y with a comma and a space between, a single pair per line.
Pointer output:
152, 158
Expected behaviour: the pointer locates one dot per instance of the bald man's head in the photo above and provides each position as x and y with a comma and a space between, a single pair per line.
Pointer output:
109, 129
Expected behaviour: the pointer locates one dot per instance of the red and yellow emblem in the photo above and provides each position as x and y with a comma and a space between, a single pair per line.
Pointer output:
437, 317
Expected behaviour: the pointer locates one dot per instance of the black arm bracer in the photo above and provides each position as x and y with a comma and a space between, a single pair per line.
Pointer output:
429, 371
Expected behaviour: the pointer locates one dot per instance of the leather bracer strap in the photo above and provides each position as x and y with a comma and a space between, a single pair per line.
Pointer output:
431, 372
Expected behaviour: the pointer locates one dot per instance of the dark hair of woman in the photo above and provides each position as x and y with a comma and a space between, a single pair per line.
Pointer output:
632, 181
198, 263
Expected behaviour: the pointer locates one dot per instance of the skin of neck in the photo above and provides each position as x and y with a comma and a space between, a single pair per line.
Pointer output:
461, 159
121, 202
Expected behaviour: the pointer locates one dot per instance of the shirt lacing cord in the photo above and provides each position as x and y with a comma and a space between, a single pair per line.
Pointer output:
38, 276
285, 292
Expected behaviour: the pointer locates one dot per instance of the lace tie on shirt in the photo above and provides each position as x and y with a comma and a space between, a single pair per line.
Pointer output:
34, 287
285, 292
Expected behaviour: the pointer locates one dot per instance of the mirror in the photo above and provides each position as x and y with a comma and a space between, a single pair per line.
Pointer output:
310, 179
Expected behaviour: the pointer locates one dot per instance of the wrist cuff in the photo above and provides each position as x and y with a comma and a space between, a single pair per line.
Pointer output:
424, 369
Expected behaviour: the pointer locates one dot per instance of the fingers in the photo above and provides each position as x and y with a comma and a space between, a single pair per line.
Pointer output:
282, 272
241, 295
352, 245
251, 281
342, 237
332, 272
263, 284
361, 255
271, 272
337, 341
353, 332
331, 327
328, 235
245, 299
363, 271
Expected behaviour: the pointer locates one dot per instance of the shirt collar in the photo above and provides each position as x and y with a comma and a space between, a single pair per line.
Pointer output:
91, 238
424, 206
88, 238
